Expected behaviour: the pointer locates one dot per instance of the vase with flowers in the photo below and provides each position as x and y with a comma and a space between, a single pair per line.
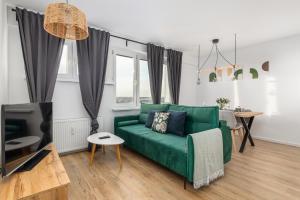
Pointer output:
222, 102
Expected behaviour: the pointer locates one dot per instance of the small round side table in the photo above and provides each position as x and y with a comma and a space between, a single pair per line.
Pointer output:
113, 140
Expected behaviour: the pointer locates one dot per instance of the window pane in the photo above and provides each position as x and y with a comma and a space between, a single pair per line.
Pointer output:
145, 93
63, 67
124, 79
165, 92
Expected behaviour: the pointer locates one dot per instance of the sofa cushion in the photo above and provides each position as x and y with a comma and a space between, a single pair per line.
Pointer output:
146, 108
128, 122
150, 118
160, 122
176, 123
166, 149
198, 118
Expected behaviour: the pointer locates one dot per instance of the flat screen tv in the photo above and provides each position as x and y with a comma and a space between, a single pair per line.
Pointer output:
26, 129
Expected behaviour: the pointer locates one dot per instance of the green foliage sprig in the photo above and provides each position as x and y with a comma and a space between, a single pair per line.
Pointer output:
222, 100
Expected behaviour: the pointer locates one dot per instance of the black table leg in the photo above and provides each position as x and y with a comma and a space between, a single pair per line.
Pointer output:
248, 134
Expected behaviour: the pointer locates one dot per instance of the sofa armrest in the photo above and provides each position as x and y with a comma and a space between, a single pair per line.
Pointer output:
227, 140
190, 159
227, 149
125, 121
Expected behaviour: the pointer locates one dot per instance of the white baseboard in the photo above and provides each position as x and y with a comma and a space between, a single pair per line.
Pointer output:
276, 141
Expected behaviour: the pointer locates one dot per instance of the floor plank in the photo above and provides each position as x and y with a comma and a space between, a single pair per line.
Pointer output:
267, 171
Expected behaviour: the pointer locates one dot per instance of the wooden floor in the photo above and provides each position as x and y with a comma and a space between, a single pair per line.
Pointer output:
267, 171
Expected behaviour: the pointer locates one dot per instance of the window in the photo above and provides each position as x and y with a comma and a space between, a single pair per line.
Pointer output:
68, 69
125, 79
63, 67
144, 83
132, 85
165, 90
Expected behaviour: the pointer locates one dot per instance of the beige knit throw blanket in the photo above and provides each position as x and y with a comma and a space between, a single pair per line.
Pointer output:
208, 157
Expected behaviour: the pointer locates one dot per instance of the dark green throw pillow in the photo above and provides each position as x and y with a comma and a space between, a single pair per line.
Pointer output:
160, 122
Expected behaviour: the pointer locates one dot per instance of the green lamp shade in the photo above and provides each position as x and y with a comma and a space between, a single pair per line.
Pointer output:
212, 77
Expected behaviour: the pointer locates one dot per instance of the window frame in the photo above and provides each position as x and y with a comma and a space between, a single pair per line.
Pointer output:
137, 56
129, 54
144, 58
165, 67
72, 63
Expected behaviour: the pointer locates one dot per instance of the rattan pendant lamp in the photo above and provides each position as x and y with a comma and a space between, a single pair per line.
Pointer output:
65, 21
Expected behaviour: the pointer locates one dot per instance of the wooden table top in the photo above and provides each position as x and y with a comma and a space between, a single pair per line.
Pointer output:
247, 114
49, 174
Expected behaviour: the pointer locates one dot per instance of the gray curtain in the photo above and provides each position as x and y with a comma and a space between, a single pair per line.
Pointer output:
174, 73
155, 55
92, 59
41, 52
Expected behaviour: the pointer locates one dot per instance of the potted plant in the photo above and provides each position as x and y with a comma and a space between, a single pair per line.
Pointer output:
222, 102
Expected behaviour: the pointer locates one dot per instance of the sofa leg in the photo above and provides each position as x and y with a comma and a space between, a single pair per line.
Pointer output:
184, 183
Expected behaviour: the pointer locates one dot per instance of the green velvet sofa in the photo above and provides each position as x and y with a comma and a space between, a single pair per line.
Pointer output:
172, 151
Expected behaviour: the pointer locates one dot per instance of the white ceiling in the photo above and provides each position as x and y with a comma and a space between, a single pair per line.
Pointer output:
183, 24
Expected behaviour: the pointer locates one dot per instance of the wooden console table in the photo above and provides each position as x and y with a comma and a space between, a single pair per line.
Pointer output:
46, 181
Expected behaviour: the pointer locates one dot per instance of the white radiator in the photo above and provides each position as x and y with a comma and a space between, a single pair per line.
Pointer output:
71, 134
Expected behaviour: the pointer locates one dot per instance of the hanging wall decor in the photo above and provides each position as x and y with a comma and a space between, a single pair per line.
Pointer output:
265, 66
219, 73
238, 74
229, 71
254, 73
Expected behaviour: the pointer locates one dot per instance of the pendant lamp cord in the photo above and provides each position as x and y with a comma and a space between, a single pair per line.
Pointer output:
218, 52
217, 59
234, 52
211, 50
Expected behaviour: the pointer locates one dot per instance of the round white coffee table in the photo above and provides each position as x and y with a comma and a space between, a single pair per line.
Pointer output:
113, 140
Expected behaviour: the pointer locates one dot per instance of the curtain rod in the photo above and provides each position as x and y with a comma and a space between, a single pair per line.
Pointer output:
115, 36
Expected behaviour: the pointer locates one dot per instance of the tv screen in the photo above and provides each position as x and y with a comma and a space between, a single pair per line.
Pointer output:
25, 130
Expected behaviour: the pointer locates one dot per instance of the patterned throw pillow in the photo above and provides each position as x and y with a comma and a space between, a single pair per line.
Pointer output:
160, 122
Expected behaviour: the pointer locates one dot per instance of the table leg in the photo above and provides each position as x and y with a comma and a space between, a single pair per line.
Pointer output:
103, 148
233, 141
93, 153
249, 127
247, 135
119, 154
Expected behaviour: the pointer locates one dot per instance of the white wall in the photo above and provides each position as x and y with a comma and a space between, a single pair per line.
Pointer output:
2, 50
67, 101
3, 64
275, 93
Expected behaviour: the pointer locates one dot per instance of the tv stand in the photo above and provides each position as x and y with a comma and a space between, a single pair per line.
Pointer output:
47, 180
29, 165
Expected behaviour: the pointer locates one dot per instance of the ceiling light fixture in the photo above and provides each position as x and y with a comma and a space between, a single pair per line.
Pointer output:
65, 21
218, 54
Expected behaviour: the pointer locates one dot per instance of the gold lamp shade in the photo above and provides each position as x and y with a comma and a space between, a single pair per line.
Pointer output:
65, 21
